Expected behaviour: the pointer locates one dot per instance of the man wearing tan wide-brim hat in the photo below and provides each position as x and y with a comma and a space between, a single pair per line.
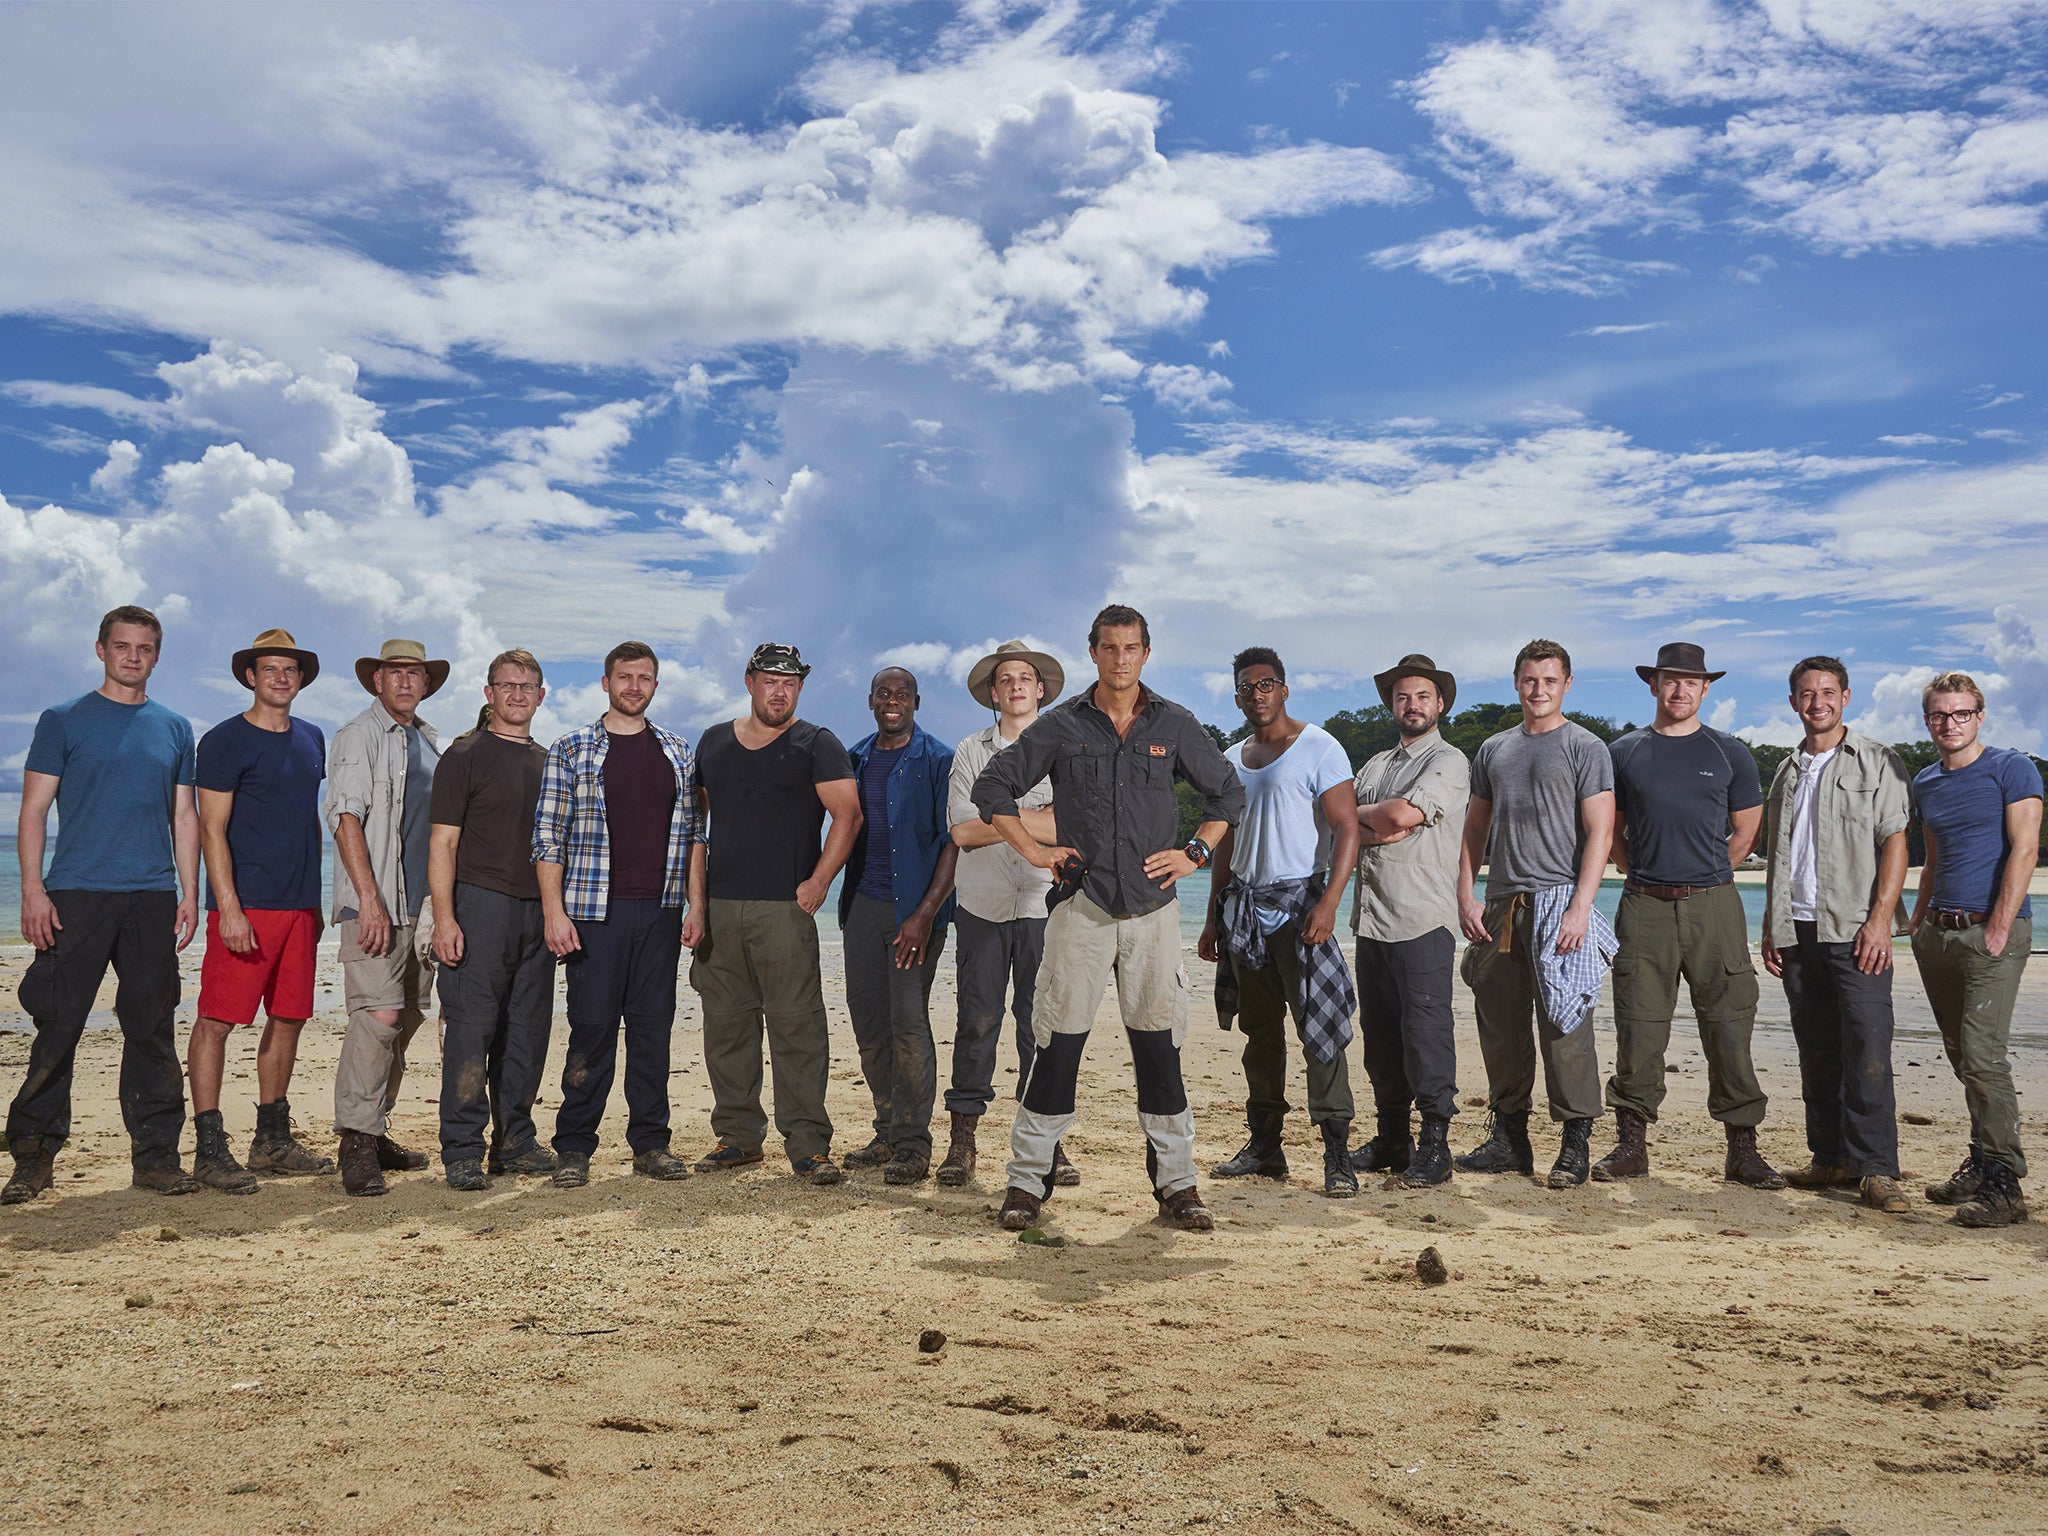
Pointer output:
379, 792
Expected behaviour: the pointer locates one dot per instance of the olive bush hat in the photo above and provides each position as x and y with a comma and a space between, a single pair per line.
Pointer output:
1415, 664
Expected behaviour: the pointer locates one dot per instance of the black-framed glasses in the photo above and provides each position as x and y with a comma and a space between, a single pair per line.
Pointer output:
1264, 688
1952, 716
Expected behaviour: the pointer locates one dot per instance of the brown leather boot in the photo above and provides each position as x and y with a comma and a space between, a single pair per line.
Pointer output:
958, 1167
360, 1174
1746, 1164
1821, 1174
1630, 1158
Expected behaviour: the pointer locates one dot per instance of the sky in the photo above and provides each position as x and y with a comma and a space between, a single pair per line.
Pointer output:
897, 331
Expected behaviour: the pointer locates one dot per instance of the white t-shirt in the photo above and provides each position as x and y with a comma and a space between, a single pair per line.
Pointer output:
1805, 835
1284, 834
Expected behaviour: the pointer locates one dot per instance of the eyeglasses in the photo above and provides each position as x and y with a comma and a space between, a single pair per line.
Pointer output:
515, 689
1264, 688
1940, 717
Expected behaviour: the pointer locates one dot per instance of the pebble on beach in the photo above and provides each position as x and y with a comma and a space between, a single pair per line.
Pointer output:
1429, 1267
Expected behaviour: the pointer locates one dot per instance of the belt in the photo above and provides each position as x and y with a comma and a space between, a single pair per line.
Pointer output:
1957, 919
1669, 892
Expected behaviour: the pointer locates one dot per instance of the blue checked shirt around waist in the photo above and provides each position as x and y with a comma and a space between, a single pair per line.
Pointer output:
1570, 983
1326, 997
570, 829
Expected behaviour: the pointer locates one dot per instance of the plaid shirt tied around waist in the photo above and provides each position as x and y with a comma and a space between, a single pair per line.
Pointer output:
570, 828
1326, 997
1570, 983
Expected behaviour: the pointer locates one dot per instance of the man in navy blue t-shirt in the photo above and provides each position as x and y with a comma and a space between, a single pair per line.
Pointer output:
121, 889
1980, 809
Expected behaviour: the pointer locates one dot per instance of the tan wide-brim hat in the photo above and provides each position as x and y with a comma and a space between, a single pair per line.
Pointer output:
276, 642
401, 650
1050, 672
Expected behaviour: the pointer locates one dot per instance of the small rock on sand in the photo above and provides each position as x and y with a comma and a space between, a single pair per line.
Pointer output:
930, 1342
1429, 1267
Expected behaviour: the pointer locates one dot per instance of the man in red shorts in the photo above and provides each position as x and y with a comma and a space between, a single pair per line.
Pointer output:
259, 826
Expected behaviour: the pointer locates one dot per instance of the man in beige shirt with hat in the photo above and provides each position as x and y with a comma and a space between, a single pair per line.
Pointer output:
380, 777
1001, 913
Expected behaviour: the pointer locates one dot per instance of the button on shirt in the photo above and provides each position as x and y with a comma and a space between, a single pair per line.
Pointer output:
1410, 888
1805, 836
1112, 796
1858, 798
997, 884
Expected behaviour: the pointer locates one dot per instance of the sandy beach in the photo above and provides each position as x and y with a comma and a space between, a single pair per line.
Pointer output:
741, 1353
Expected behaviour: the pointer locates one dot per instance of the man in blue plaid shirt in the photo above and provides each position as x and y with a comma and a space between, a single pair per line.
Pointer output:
619, 852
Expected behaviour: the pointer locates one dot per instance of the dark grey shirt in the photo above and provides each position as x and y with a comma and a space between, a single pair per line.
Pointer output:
1676, 795
1112, 799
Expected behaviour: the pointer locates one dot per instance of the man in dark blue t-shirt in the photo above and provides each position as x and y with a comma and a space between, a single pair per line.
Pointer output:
1980, 808
121, 889
1688, 802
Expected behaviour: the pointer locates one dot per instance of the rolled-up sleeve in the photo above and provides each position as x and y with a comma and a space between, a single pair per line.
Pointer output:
1442, 788
349, 782
960, 793
1202, 763
551, 811
1013, 771
1894, 794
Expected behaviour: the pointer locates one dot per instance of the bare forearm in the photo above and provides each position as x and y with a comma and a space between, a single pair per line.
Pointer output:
220, 866
1891, 877
185, 846
695, 880
548, 876
941, 886
2013, 884
441, 850
838, 848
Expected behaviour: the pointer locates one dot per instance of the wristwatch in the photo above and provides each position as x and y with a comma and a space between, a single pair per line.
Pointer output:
1198, 851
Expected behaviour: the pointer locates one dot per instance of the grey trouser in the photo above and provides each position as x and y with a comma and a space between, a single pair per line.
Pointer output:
372, 1065
1505, 997
499, 1004
1405, 1024
1084, 947
991, 959
892, 1023
1265, 1002
758, 965
1842, 1020
1705, 939
1972, 995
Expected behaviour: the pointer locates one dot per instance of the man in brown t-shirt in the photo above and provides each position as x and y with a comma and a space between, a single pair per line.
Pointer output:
497, 974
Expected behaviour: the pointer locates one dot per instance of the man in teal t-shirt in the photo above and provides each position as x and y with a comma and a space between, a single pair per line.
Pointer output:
123, 889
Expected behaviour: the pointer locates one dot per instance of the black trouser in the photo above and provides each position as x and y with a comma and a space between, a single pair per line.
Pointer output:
1405, 1025
992, 959
1842, 1020
499, 1003
892, 1023
135, 932
626, 970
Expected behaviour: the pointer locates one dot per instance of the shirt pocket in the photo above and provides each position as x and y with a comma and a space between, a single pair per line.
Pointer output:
1093, 771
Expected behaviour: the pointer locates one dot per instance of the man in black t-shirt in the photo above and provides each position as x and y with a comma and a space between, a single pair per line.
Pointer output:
497, 979
1688, 802
770, 780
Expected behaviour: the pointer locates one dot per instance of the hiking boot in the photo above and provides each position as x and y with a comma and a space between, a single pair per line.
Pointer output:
725, 1157
1020, 1209
1961, 1185
818, 1169
360, 1174
1745, 1164
1431, 1164
1569, 1171
1260, 1155
535, 1159
958, 1167
1505, 1150
1340, 1180
1064, 1173
908, 1166
1390, 1149
394, 1158
165, 1178
660, 1163
1883, 1193
467, 1173
35, 1162
213, 1164
571, 1171
873, 1155
1820, 1174
275, 1150
1998, 1201
1185, 1210
1630, 1158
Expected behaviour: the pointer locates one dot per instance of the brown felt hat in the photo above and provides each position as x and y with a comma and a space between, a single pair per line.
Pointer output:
1415, 664
1679, 656
276, 642
401, 650
1050, 672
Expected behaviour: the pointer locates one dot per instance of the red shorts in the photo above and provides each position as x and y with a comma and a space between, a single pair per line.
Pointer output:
277, 974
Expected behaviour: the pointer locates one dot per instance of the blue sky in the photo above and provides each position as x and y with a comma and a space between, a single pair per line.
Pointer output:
898, 331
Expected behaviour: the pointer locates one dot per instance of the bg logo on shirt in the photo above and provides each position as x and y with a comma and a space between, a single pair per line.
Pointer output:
1159, 750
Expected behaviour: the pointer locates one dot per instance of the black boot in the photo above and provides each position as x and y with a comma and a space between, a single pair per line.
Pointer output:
1261, 1154
274, 1149
1506, 1148
35, 1159
1569, 1170
1391, 1146
1432, 1161
212, 1163
1339, 1182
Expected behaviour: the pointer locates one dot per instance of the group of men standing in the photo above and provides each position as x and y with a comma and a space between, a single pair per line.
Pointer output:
1048, 842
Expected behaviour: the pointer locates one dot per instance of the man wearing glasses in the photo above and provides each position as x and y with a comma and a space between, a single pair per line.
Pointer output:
1980, 808
497, 980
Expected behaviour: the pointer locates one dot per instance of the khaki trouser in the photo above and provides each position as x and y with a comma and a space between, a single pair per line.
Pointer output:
1705, 939
757, 972
1506, 997
372, 1065
1972, 993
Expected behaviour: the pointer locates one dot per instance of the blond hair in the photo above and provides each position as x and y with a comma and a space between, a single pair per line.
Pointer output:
1952, 682
524, 660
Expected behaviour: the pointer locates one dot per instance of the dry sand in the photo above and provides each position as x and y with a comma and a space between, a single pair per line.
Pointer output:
740, 1353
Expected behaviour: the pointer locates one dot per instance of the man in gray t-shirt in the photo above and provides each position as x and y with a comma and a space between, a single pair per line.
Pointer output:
1541, 817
